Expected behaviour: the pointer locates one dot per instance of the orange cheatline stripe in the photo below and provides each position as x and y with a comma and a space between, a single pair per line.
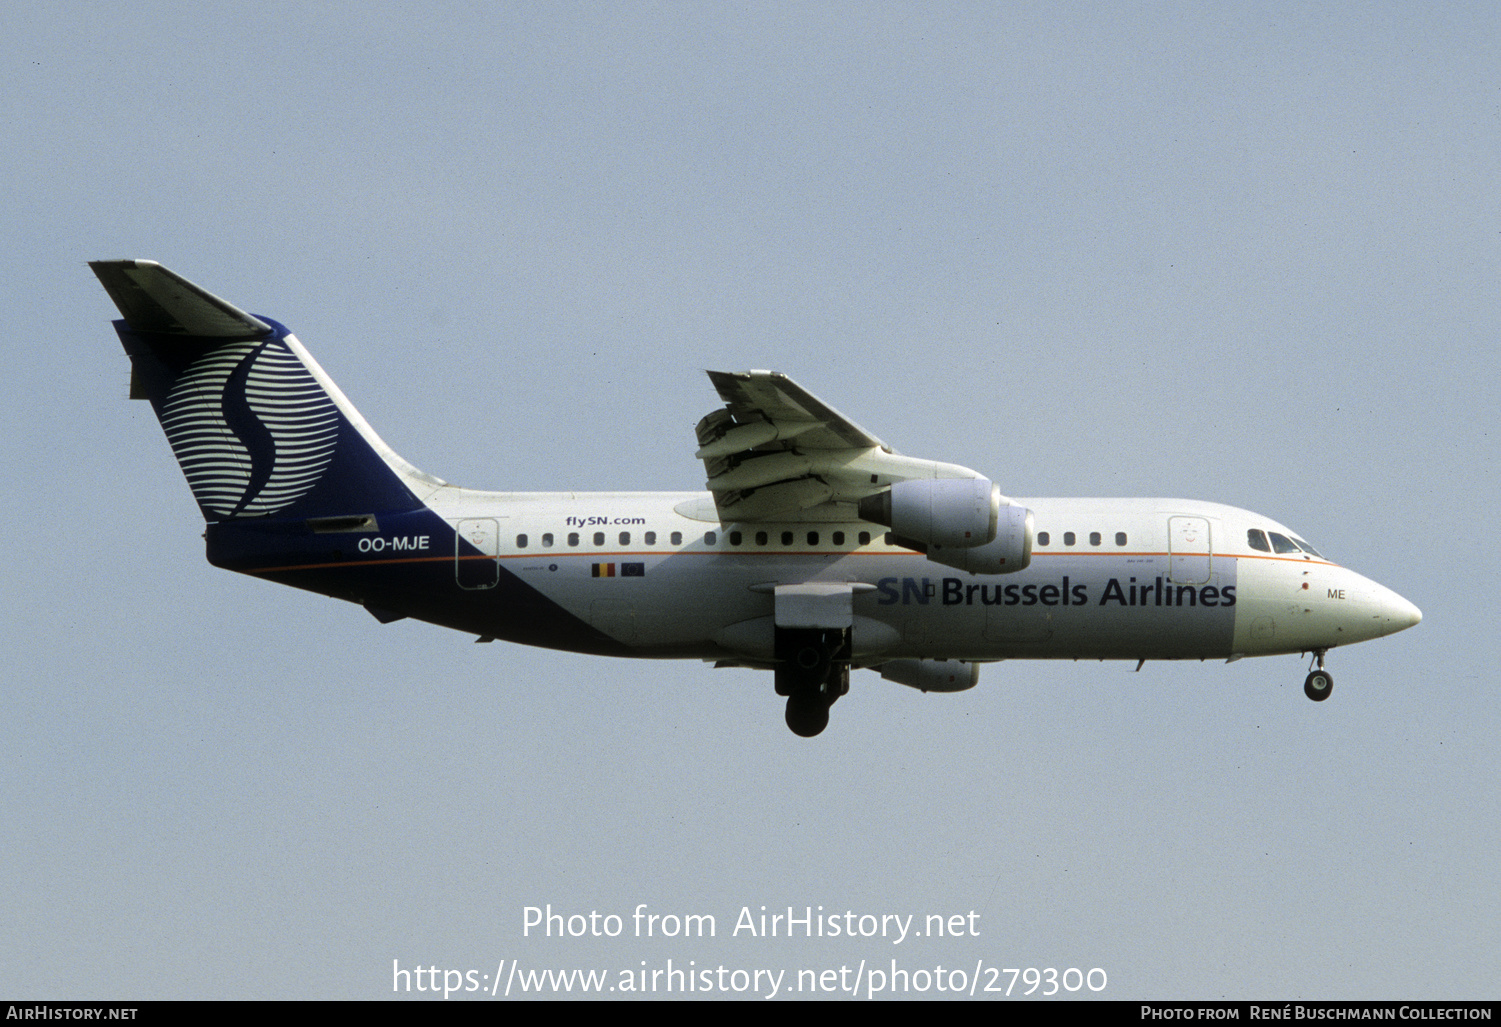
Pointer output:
593, 556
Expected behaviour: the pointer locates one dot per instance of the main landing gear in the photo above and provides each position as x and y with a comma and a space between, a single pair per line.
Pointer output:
812, 671
1320, 682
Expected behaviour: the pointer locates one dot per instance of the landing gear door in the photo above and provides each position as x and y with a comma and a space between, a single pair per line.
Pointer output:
1188, 550
828, 605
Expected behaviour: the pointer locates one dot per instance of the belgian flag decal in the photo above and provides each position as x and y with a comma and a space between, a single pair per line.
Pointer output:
624, 570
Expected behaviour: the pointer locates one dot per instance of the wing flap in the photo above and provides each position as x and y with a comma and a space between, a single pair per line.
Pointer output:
773, 397
776, 452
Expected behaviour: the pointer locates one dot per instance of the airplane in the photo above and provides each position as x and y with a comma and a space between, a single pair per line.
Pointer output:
816, 549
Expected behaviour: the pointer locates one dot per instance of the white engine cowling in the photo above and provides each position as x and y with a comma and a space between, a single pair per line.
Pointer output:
1010, 551
960, 522
932, 675
950, 512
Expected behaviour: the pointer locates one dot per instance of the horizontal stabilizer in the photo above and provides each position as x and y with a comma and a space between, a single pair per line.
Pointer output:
153, 299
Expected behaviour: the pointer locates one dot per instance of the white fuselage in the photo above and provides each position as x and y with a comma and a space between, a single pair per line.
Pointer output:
1109, 579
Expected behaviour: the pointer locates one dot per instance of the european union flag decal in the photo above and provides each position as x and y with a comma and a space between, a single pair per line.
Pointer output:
633, 570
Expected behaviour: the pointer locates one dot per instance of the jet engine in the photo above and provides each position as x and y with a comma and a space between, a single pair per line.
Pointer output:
958, 512
959, 522
932, 675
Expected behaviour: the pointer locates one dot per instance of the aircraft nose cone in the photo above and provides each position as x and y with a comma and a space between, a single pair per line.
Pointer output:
1397, 614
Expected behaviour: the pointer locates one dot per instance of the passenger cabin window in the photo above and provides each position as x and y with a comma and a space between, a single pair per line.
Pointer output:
761, 538
651, 538
1120, 538
736, 538
710, 538
625, 538
1042, 538
839, 538
786, 538
677, 538
1094, 538
599, 538
812, 538
520, 541
573, 538
1068, 538
547, 540
865, 538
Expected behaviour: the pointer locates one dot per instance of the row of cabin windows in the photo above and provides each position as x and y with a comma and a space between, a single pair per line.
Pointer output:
736, 538
763, 538
1263, 541
1070, 539
574, 540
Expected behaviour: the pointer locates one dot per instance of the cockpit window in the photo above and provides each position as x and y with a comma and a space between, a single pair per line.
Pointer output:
1257, 539
1308, 548
1282, 544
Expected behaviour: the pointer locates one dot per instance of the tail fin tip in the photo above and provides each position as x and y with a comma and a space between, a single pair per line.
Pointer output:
257, 427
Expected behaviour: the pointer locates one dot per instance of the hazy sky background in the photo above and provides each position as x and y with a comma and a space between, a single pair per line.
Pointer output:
1238, 252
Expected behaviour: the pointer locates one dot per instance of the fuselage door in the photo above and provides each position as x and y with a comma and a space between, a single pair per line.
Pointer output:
477, 552
1188, 550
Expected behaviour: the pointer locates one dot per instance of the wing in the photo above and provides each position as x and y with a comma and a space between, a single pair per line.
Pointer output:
776, 452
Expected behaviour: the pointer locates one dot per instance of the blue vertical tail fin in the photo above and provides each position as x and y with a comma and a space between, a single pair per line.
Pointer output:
257, 426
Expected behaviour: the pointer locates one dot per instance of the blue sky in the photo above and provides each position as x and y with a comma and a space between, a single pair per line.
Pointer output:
1244, 253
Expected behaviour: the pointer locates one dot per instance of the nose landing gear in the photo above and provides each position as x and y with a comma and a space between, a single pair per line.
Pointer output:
1320, 682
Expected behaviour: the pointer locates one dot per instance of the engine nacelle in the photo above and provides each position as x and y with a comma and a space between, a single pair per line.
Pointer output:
956, 513
963, 523
1010, 551
932, 675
